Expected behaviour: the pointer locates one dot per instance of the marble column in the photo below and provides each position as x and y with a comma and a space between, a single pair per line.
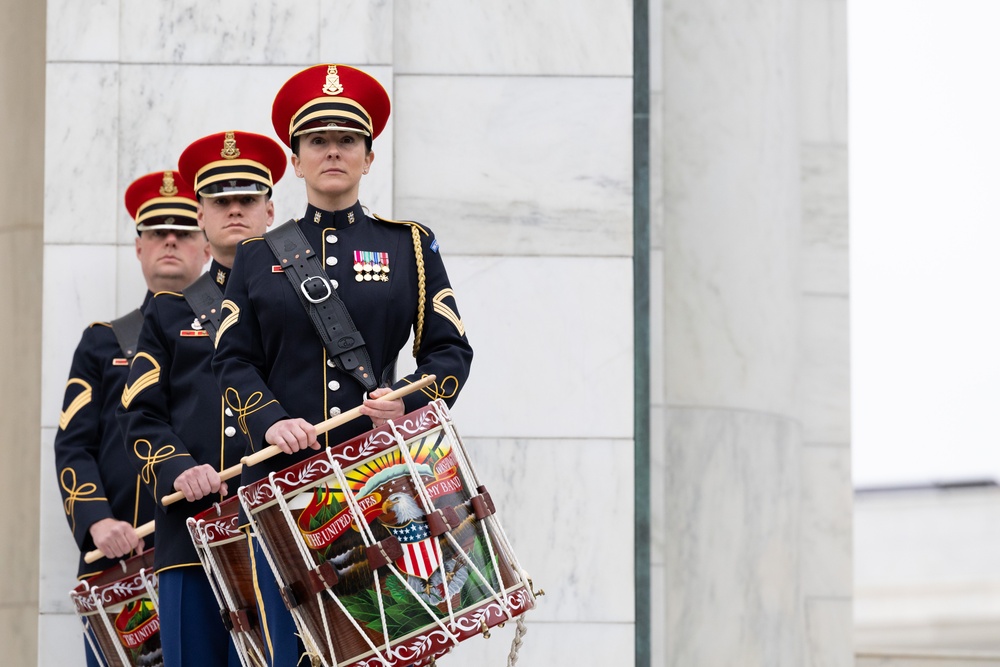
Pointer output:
732, 338
22, 104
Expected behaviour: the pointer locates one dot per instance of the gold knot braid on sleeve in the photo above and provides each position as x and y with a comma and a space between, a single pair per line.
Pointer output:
151, 459
243, 410
74, 492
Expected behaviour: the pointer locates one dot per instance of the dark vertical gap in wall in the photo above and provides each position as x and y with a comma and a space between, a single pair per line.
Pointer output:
640, 285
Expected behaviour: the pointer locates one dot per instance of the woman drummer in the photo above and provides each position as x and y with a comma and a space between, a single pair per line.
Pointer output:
282, 365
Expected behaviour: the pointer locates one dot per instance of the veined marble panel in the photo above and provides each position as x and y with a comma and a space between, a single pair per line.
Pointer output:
830, 633
82, 30
552, 341
517, 165
658, 641
825, 225
547, 644
566, 506
357, 31
826, 511
732, 203
68, 650
69, 305
58, 551
732, 558
162, 112
825, 371
558, 37
823, 60
81, 140
225, 31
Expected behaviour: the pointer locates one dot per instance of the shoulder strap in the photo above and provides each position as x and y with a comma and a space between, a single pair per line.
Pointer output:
205, 299
126, 329
329, 315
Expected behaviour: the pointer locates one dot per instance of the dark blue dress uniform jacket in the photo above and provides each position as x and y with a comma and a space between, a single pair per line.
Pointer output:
173, 417
95, 480
271, 363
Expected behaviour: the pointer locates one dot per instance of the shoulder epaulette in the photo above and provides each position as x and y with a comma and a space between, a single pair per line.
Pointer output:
411, 223
99, 324
167, 293
253, 238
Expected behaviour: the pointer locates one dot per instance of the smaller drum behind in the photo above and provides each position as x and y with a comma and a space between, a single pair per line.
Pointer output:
119, 605
224, 552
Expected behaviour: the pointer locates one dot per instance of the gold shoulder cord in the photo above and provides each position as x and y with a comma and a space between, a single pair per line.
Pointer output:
421, 289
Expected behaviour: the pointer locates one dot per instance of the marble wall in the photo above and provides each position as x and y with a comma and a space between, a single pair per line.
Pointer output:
516, 151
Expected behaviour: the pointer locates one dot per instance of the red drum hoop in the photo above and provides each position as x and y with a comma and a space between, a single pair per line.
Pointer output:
225, 554
386, 547
119, 606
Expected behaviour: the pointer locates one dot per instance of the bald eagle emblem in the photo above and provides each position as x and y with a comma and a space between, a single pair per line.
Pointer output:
404, 520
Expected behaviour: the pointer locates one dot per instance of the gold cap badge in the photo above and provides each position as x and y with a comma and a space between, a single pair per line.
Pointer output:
168, 189
229, 149
332, 85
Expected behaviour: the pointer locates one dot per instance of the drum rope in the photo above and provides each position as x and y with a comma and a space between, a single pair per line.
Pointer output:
515, 644
464, 460
151, 582
468, 472
369, 540
497, 528
246, 649
88, 634
286, 514
95, 596
428, 503
307, 639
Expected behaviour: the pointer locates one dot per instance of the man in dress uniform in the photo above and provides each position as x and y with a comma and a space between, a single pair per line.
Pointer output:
272, 362
177, 430
101, 491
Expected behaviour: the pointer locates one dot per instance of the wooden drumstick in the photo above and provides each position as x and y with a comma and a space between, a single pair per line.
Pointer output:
343, 418
141, 532
322, 427
271, 450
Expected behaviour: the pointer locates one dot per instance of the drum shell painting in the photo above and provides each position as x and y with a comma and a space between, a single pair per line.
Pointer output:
390, 490
119, 596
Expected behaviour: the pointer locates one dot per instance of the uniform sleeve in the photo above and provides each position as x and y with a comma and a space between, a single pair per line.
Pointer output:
78, 441
238, 362
443, 348
151, 444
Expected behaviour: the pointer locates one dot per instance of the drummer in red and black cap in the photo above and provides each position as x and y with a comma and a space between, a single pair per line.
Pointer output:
234, 175
175, 426
101, 491
169, 244
388, 274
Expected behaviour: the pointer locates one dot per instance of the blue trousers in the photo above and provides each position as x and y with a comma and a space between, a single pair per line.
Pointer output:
191, 629
284, 648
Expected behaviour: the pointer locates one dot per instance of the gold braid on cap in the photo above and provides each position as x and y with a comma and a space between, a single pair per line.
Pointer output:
418, 251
